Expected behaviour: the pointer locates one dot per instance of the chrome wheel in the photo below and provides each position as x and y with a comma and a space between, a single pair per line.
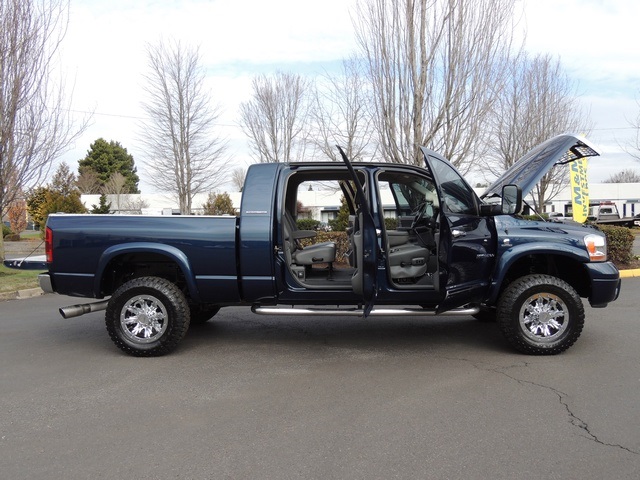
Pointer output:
540, 314
544, 317
147, 316
143, 319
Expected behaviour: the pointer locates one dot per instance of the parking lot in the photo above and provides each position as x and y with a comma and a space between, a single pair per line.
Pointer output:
261, 397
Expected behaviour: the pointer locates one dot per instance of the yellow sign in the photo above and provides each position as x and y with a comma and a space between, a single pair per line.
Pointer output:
579, 190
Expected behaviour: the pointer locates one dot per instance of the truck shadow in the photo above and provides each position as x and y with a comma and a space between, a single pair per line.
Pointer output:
239, 327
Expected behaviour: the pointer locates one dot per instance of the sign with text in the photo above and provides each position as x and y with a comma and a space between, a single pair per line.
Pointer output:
579, 190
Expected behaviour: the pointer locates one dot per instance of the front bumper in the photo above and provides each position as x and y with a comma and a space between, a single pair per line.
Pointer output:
605, 283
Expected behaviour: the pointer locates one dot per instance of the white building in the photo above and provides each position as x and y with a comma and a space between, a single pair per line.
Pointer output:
323, 205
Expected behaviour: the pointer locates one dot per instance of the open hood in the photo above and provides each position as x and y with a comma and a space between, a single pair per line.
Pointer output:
528, 171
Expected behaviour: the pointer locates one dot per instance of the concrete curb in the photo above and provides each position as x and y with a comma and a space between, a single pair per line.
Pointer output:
21, 294
630, 273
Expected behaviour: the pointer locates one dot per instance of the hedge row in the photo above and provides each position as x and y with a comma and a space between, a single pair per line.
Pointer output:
619, 243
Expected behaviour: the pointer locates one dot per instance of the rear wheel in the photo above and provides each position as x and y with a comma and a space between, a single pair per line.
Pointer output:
540, 315
147, 316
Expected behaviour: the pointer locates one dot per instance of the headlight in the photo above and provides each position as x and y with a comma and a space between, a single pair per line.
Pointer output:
597, 247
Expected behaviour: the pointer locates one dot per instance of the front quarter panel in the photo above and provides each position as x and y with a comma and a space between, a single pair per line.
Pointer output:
518, 238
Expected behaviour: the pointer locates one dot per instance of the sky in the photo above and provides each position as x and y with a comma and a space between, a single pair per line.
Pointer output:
103, 60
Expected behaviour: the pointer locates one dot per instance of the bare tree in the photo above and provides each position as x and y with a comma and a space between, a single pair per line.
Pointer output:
185, 157
88, 182
624, 176
35, 124
238, 176
342, 113
116, 186
434, 67
538, 101
633, 146
133, 204
275, 118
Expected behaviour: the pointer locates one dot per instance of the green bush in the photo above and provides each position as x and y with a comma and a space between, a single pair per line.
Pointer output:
5, 231
619, 243
307, 224
390, 223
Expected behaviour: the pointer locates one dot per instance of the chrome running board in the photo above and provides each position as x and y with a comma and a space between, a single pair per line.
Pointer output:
359, 312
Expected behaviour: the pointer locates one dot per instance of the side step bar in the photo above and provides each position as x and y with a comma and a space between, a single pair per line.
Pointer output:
359, 312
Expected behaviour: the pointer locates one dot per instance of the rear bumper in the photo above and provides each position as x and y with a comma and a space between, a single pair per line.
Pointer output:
45, 283
605, 283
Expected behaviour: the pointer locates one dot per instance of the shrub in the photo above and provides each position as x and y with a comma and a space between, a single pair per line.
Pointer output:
18, 216
12, 237
390, 223
5, 231
219, 204
307, 224
619, 243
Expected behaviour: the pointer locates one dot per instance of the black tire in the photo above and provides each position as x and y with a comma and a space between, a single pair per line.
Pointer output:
138, 334
540, 315
200, 315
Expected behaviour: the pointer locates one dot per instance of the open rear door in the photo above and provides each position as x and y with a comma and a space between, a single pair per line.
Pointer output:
365, 240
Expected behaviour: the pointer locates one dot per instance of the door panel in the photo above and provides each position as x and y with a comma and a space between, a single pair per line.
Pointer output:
365, 240
467, 243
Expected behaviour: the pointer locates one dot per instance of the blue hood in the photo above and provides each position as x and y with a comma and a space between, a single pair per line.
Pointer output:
528, 171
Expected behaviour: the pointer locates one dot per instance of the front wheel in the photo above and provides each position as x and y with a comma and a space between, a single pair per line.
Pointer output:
540, 315
147, 316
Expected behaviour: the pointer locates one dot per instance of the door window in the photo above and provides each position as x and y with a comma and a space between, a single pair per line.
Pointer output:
457, 196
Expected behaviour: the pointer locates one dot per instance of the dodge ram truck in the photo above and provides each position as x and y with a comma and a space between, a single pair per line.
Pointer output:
451, 253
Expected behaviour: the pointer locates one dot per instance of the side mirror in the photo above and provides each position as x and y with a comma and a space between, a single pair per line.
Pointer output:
511, 200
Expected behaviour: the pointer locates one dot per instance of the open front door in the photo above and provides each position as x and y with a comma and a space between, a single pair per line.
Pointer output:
365, 242
466, 250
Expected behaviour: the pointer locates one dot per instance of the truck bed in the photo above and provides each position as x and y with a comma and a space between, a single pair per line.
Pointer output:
85, 246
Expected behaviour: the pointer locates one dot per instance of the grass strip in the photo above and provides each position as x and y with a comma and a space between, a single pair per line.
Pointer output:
12, 280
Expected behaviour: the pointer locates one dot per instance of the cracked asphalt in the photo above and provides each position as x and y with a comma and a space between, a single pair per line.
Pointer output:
247, 396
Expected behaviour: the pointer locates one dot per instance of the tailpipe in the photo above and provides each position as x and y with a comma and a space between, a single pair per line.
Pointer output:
77, 310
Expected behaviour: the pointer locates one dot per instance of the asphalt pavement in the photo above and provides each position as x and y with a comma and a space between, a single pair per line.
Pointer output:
247, 396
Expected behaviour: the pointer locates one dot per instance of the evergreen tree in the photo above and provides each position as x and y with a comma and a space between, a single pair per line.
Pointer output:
35, 200
106, 158
103, 206
341, 222
62, 195
219, 204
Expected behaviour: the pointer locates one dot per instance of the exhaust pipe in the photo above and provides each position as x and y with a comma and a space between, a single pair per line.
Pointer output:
77, 310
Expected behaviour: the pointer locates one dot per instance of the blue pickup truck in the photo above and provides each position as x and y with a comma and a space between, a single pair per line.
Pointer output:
452, 253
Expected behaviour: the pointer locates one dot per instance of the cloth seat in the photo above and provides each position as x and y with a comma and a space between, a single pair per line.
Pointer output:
324, 252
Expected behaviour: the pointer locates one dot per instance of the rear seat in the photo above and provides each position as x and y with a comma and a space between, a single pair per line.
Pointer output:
324, 252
